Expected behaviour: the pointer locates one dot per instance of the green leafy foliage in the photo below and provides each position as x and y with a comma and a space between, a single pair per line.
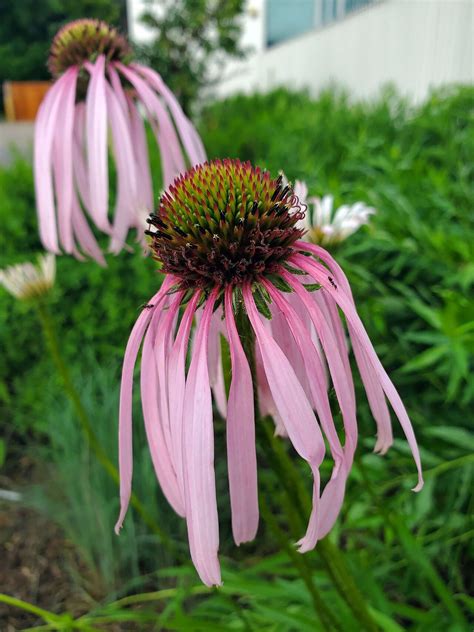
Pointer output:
84, 499
412, 267
26, 32
412, 276
189, 38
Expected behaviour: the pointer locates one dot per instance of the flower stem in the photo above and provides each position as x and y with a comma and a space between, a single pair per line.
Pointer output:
325, 615
330, 555
298, 497
46, 615
85, 422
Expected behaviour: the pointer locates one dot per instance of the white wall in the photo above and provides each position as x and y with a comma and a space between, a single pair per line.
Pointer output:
415, 44
137, 31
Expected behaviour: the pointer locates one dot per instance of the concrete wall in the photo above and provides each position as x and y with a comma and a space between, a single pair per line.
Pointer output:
416, 44
137, 31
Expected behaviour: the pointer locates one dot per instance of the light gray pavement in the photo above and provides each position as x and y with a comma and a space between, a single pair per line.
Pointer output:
15, 137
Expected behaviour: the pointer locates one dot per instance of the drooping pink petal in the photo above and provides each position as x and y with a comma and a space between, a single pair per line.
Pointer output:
213, 351
376, 398
313, 368
176, 386
320, 275
80, 169
218, 389
265, 400
58, 178
170, 150
151, 388
96, 139
145, 188
216, 373
293, 406
199, 476
125, 209
333, 494
331, 501
331, 315
83, 233
189, 136
45, 127
285, 340
125, 414
162, 337
117, 88
241, 452
302, 312
342, 385
62, 161
375, 393
374, 390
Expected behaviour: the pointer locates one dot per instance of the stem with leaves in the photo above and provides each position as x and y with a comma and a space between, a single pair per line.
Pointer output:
85, 422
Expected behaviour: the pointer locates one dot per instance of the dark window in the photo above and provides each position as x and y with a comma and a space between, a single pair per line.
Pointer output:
289, 18
352, 5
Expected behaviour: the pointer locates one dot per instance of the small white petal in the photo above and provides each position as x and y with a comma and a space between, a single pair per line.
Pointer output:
326, 209
301, 191
25, 280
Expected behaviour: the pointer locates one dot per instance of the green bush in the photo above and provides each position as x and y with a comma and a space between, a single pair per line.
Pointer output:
413, 269
412, 272
94, 307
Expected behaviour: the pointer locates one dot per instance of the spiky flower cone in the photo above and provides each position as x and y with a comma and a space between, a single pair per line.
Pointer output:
225, 223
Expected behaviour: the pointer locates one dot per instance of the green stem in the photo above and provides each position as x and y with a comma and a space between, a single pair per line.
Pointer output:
158, 595
328, 620
85, 423
345, 583
461, 461
298, 497
47, 616
325, 615
330, 555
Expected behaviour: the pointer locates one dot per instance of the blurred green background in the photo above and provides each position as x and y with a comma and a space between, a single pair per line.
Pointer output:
412, 273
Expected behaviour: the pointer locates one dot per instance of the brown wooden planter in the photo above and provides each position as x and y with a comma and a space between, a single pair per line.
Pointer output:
22, 99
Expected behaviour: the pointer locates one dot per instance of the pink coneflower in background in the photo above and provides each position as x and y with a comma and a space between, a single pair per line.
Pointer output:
98, 96
226, 235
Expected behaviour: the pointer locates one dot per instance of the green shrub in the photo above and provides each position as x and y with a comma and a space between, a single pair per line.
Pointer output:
412, 273
93, 307
412, 269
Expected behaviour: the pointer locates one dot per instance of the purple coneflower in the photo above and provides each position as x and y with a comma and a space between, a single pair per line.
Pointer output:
98, 89
227, 238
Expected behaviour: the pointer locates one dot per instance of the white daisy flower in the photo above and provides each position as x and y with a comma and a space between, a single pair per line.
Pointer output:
324, 225
327, 226
26, 280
